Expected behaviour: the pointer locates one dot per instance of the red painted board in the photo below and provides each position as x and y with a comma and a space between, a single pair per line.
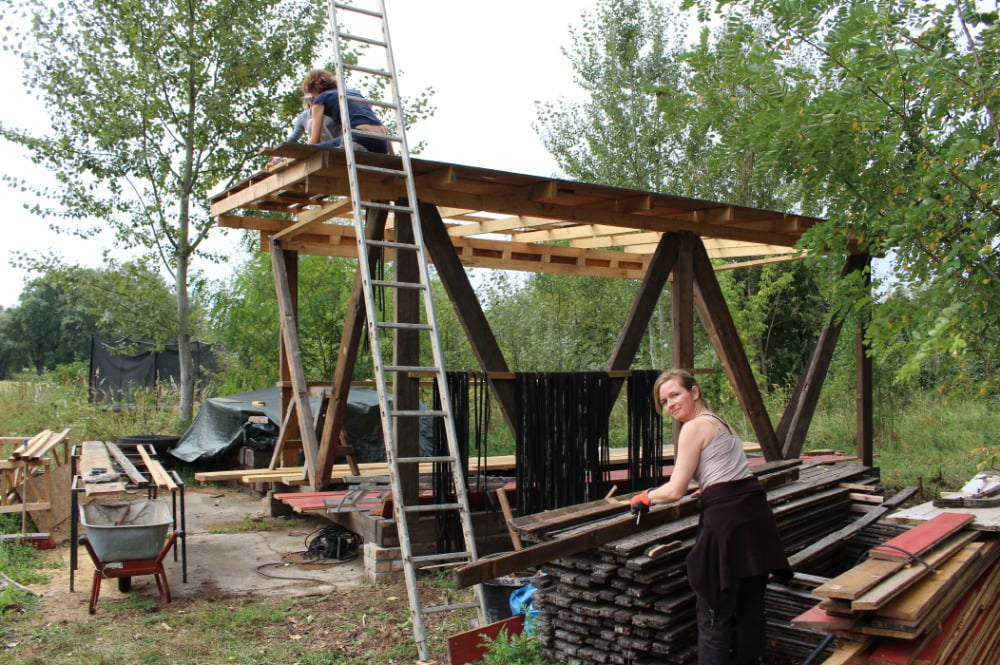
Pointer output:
817, 617
468, 647
922, 537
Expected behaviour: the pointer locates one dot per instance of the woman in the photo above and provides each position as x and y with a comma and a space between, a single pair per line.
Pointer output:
322, 85
737, 545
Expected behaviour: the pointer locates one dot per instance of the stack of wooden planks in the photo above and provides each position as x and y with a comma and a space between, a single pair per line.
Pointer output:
628, 601
930, 596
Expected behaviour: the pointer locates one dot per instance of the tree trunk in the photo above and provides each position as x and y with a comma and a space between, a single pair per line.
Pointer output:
184, 358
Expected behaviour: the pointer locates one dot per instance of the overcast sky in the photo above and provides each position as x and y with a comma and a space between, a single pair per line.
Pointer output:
488, 64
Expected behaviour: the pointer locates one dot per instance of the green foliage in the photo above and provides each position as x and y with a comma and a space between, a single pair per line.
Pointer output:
515, 650
883, 117
556, 322
153, 105
244, 314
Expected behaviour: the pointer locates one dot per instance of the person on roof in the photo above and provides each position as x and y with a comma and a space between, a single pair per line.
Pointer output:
322, 85
737, 546
303, 125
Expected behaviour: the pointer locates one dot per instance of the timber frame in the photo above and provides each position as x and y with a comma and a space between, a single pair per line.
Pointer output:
473, 217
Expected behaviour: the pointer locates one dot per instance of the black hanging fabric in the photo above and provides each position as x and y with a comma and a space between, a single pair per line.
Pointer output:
465, 411
562, 453
645, 432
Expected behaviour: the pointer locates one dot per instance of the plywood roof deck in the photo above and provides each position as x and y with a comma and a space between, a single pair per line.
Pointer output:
498, 219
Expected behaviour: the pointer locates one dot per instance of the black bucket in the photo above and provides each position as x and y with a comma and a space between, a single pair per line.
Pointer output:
496, 595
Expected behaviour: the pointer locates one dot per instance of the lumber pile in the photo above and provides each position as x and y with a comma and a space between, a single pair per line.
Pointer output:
930, 596
628, 601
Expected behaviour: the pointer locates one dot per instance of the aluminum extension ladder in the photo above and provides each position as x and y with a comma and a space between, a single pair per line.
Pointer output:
372, 287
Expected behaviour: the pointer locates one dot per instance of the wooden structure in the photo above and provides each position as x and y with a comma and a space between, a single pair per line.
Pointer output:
30, 469
474, 217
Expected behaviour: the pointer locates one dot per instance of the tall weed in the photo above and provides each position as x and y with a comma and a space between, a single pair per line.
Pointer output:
60, 399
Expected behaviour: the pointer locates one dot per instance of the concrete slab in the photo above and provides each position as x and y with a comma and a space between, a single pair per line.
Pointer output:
233, 549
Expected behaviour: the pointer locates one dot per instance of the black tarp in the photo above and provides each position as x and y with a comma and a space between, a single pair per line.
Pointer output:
117, 368
219, 425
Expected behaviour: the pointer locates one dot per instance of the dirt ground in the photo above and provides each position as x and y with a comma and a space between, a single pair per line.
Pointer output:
233, 565
232, 549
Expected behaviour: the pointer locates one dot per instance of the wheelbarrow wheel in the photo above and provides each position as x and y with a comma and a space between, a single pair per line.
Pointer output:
124, 584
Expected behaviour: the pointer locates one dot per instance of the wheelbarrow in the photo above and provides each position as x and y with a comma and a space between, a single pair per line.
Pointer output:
128, 539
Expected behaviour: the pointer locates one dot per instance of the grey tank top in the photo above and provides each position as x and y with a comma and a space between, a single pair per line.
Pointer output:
723, 459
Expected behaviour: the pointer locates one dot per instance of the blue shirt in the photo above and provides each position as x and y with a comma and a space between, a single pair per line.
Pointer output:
361, 114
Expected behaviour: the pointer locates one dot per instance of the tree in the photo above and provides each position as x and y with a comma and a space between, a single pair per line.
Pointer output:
245, 318
658, 105
623, 56
59, 312
891, 133
153, 105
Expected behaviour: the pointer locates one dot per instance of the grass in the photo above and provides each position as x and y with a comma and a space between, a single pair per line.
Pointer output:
370, 624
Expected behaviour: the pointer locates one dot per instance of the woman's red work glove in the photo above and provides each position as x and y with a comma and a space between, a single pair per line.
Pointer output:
640, 503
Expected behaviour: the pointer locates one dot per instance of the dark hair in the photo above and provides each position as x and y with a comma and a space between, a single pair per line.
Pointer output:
683, 377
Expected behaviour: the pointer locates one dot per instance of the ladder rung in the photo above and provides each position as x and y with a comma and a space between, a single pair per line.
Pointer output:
405, 326
384, 171
446, 556
430, 459
363, 40
410, 368
452, 606
432, 507
359, 10
392, 245
372, 102
397, 285
414, 413
368, 70
391, 207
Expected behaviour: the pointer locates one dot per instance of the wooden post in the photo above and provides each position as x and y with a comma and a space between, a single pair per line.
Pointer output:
406, 352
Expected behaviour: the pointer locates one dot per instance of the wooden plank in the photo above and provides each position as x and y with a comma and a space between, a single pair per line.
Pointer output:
852, 583
159, 475
562, 518
93, 455
913, 603
24, 448
837, 538
612, 529
818, 618
921, 538
886, 627
847, 651
986, 519
125, 464
43, 447
897, 584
